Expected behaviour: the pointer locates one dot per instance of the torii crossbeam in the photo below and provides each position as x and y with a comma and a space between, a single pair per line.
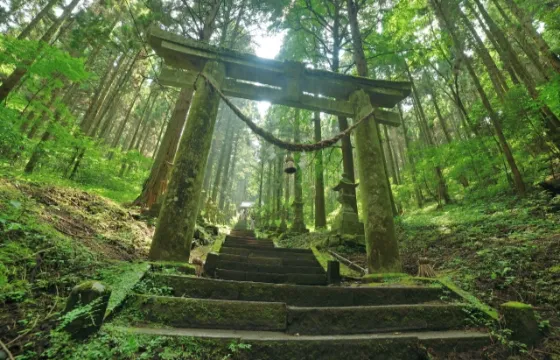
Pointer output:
287, 83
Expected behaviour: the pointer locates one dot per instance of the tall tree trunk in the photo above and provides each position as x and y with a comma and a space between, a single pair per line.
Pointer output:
124, 122
381, 242
146, 123
498, 80
439, 115
398, 154
391, 157
160, 132
37, 19
278, 185
232, 143
141, 120
346, 142
298, 225
443, 194
417, 192
231, 177
156, 183
210, 166
518, 181
261, 180
226, 144
525, 42
551, 120
44, 116
108, 77
526, 22
269, 200
111, 97
15, 77
320, 213
39, 149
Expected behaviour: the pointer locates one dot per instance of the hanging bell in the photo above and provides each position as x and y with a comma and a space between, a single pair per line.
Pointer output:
289, 165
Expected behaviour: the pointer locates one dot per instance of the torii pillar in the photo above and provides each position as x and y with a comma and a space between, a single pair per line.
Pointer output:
177, 218
379, 226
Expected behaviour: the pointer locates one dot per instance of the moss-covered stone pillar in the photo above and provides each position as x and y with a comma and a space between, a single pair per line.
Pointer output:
85, 309
298, 225
381, 241
176, 223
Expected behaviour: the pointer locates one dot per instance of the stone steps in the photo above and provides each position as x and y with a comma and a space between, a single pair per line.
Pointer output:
274, 278
275, 300
264, 252
259, 268
242, 233
208, 313
275, 261
371, 319
277, 316
267, 345
255, 243
245, 241
296, 295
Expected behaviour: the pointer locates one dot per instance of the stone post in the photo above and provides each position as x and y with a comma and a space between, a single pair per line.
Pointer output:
381, 241
176, 223
87, 304
333, 272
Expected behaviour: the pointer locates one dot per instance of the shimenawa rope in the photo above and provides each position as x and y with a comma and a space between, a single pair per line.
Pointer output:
270, 137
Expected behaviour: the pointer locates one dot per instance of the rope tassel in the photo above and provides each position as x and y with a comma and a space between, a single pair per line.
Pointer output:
270, 138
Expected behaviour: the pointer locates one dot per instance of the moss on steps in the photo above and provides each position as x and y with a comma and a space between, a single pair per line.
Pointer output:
204, 313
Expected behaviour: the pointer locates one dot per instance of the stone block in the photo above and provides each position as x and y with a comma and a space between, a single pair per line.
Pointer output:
85, 309
208, 313
333, 272
520, 319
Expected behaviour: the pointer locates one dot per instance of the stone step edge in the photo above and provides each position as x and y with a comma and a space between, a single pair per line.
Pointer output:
349, 288
206, 313
277, 316
309, 308
268, 260
443, 342
280, 250
269, 269
277, 335
375, 318
266, 252
288, 278
224, 284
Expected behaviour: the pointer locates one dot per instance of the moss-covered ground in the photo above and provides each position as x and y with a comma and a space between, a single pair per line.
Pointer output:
53, 238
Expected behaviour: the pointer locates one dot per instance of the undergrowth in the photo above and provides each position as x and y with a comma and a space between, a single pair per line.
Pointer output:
51, 239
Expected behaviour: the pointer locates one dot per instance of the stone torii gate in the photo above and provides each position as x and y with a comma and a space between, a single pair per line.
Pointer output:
287, 83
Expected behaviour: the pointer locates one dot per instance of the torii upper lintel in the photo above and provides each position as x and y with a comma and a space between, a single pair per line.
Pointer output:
282, 82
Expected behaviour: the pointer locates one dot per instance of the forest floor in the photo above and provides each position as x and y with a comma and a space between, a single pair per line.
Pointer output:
54, 237
500, 250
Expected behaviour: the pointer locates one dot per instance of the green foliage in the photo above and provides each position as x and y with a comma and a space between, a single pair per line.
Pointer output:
113, 342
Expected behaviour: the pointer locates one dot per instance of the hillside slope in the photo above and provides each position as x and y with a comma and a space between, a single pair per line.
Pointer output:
52, 238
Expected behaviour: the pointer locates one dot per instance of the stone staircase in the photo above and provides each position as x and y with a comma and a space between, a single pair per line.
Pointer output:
277, 300
245, 258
